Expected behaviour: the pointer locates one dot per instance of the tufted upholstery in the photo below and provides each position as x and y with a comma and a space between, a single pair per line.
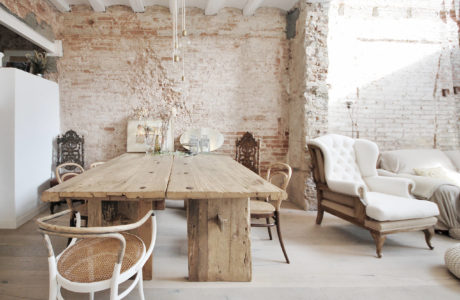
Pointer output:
340, 158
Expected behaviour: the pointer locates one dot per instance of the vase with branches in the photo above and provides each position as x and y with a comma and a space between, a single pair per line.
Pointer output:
38, 62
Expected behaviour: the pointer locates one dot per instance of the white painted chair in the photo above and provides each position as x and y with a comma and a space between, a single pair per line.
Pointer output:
98, 258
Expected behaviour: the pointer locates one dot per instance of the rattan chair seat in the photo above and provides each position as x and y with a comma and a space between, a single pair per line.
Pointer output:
92, 260
261, 207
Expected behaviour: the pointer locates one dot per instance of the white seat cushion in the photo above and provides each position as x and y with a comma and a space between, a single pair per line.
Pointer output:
385, 207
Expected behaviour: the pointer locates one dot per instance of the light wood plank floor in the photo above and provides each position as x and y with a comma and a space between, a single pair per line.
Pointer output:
333, 261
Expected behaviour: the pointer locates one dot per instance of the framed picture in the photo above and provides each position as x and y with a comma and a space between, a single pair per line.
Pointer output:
136, 134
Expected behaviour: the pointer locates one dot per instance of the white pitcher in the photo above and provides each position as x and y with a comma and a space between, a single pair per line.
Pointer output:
1, 59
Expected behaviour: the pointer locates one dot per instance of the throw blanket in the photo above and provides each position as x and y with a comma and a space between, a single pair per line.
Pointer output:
448, 199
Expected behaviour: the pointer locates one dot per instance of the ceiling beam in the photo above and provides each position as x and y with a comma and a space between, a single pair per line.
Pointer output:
97, 5
61, 5
53, 48
172, 5
137, 5
213, 7
251, 7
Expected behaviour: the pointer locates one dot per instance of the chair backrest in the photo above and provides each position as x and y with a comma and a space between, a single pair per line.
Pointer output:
70, 148
95, 164
345, 159
279, 174
61, 177
247, 152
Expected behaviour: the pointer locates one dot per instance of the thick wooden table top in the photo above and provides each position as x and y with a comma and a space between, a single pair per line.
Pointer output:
137, 176
131, 176
214, 176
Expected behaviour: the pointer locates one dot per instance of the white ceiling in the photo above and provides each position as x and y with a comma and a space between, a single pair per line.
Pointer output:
210, 7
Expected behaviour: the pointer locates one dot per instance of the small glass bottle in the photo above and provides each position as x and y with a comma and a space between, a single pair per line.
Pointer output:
204, 143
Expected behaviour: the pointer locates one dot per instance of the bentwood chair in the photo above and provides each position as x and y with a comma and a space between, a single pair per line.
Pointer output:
76, 170
280, 175
64, 172
98, 258
61, 177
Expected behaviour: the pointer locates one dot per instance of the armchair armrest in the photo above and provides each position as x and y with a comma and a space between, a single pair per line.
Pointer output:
349, 188
397, 186
424, 186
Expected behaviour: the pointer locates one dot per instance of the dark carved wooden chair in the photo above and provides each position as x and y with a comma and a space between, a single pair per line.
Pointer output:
70, 149
279, 174
247, 152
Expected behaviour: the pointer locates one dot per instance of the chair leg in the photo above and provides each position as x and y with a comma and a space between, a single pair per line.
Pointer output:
53, 294
269, 228
319, 216
140, 285
91, 296
278, 230
59, 295
72, 223
428, 235
379, 241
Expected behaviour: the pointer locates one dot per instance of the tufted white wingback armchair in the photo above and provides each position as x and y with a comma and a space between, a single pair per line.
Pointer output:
350, 168
349, 187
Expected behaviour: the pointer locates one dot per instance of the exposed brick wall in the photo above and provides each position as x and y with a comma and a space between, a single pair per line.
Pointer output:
236, 69
308, 97
393, 59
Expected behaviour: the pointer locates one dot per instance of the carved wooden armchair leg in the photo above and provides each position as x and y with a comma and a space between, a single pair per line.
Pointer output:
319, 216
428, 235
379, 241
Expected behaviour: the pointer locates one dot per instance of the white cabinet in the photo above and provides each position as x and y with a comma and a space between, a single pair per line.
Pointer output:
29, 123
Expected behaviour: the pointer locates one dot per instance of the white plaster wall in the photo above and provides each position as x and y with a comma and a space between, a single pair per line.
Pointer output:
392, 59
36, 124
7, 211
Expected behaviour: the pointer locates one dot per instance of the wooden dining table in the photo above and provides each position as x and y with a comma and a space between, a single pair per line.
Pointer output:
216, 187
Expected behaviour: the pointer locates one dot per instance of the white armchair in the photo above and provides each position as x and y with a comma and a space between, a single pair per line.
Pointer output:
348, 186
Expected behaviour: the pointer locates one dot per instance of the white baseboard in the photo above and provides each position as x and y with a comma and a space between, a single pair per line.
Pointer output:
20, 220
7, 224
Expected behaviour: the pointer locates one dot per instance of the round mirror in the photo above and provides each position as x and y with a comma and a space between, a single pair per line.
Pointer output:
216, 139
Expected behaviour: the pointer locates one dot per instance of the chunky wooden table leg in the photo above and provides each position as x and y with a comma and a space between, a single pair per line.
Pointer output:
145, 233
94, 212
219, 246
